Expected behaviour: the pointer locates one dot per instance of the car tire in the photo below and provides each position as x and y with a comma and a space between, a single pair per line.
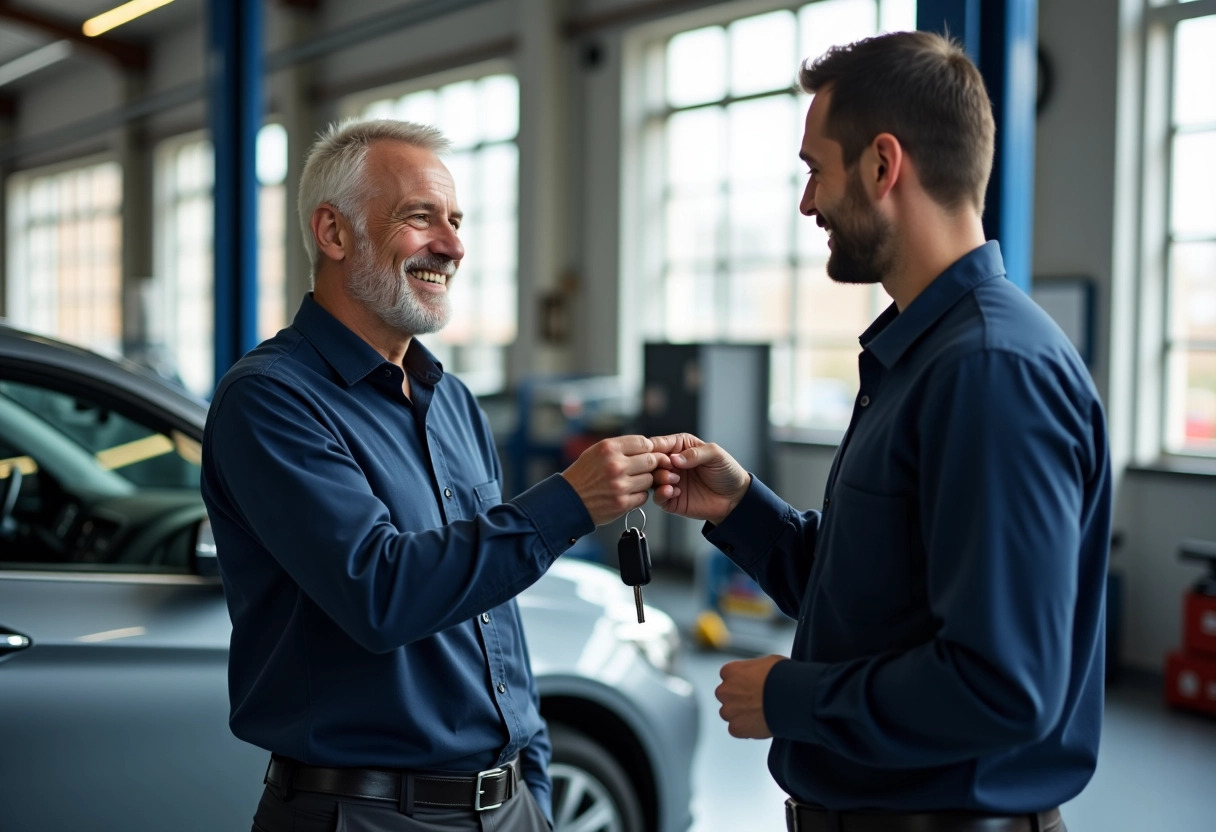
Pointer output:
591, 791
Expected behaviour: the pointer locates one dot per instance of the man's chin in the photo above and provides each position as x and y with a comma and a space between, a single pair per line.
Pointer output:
845, 270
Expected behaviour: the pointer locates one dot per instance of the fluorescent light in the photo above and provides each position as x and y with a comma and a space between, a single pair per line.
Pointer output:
119, 15
33, 61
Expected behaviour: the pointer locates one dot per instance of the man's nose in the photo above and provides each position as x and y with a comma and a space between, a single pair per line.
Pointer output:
807, 204
448, 244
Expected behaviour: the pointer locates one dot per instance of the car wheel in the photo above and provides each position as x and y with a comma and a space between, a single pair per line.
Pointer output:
591, 792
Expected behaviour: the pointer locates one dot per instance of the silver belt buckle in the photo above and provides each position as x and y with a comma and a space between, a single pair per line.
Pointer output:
481, 777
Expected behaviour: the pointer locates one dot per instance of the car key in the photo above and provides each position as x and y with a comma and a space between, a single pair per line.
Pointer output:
633, 554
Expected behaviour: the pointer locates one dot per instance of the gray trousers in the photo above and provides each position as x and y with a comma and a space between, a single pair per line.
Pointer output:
308, 812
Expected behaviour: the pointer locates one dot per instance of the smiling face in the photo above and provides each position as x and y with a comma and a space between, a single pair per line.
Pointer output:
861, 239
403, 265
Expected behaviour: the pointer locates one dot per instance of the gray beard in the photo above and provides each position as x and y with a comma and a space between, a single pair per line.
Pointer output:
388, 295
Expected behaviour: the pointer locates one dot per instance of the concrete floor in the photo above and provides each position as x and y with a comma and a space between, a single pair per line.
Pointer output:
1156, 767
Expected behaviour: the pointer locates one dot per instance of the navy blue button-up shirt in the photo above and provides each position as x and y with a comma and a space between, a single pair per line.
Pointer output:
950, 596
369, 562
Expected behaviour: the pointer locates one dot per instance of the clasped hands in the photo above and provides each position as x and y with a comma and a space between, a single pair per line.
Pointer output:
690, 478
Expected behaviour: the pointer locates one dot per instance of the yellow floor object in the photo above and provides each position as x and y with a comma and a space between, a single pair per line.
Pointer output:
709, 630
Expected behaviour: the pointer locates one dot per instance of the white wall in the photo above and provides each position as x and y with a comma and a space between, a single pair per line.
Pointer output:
573, 219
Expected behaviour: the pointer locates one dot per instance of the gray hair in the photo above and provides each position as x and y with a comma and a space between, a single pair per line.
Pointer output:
334, 170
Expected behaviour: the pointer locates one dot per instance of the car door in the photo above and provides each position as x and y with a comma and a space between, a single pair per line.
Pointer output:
113, 628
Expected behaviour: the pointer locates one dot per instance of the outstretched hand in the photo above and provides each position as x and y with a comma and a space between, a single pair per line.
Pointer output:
700, 479
614, 476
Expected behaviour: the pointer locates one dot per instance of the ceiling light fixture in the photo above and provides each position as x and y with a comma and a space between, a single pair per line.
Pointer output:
119, 15
33, 61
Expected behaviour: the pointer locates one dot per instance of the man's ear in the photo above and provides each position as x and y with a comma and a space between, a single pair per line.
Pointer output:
330, 232
885, 157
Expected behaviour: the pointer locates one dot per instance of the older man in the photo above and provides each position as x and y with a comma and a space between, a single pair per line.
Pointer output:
369, 562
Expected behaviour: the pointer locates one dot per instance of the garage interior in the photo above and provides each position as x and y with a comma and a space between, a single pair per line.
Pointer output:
149, 189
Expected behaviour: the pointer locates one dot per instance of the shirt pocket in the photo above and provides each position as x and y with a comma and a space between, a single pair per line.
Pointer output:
486, 496
872, 542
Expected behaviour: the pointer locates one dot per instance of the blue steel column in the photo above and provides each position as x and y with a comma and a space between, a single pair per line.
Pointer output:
1001, 36
235, 88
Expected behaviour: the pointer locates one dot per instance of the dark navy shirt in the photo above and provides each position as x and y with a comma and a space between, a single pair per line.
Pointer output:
950, 596
369, 562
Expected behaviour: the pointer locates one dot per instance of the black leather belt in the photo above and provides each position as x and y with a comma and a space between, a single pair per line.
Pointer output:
478, 791
800, 817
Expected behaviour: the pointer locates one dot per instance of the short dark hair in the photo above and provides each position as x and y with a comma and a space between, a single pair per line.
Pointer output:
923, 89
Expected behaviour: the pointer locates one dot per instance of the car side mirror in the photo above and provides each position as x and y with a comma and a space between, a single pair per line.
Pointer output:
206, 565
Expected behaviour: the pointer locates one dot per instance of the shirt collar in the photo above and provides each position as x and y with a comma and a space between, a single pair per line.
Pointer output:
351, 357
894, 332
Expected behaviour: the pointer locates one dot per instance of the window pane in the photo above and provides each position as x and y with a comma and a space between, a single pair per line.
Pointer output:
834, 22
760, 222
832, 310
762, 53
764, 139
1192, 208
689, 304
691, 230
825, 384
759, 303
696, 67
897, 15
272, 154
1193, 291
1194, 68
458, 114
499, 179
500, 107
694, 148
1191, 402
418, 107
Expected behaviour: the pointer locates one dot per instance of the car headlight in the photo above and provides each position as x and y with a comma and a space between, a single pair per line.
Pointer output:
657, 639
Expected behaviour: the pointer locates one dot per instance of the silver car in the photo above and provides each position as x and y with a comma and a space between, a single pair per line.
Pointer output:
114, 632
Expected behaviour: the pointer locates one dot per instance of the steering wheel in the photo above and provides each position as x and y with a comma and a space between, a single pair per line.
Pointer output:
9, 490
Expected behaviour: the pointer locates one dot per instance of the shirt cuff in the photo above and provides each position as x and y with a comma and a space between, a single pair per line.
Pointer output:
791, 694
557, 512
752, 529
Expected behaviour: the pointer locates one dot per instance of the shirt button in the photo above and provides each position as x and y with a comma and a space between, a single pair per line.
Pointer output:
387, 372
502, 688
865, 401
726, 547
573, 540
485, 618
447, 492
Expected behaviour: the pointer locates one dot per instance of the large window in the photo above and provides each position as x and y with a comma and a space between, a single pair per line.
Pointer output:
184, 306
65, 252
481, 118
1189, 251
725, 255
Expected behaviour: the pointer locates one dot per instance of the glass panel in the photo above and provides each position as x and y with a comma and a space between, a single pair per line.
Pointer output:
897, 15
1193, 291
834, 22
497, 240
418, 107
1191, 402
758, 304
825, 384
499, 181
498, 301
1194, 68
762, 53
692, 230
1192, 208
696, 67
832, 310
764, 139
458, 109
462, 165
694, 148
500, 107
689, 305
812, 240
759, 221
272, 154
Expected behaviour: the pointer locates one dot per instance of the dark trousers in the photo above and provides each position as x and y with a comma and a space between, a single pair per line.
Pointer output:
307, 812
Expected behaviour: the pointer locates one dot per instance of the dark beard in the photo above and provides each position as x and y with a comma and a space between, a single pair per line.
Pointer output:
860, 243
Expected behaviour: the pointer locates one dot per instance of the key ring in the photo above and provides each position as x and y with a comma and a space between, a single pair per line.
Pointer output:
631, 511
